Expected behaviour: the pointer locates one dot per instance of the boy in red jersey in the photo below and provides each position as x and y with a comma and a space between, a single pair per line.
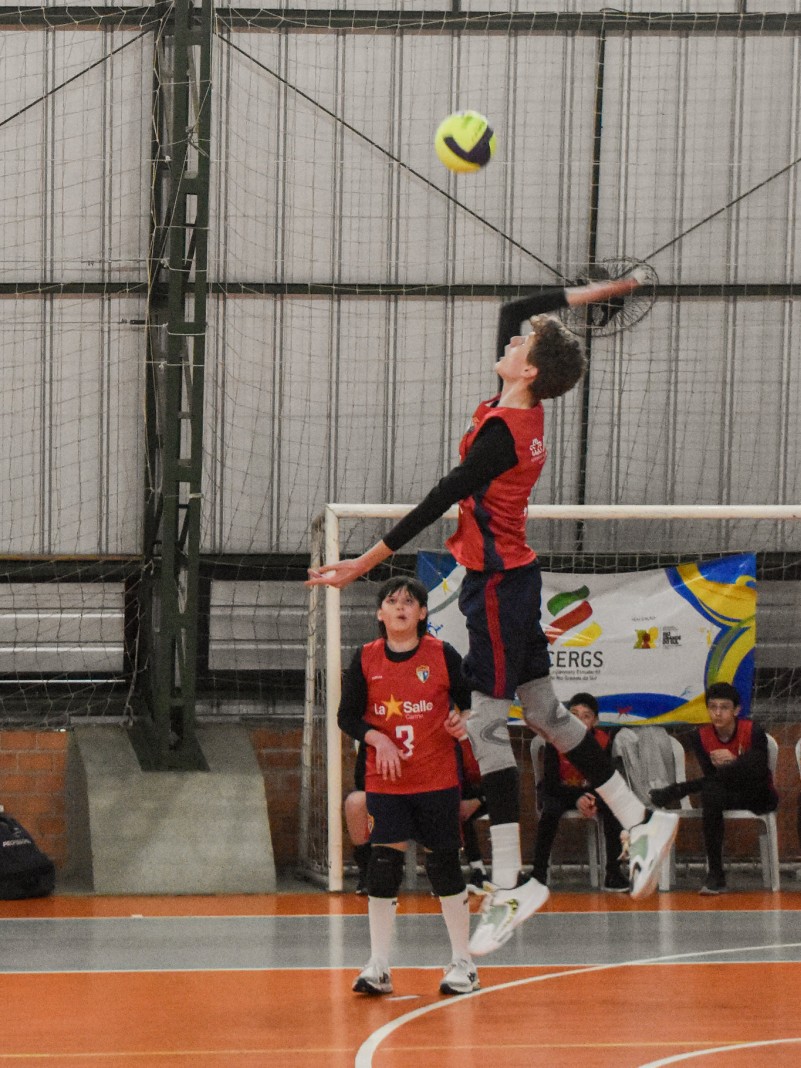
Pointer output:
732, 754
563, 788
502, 455
397, 695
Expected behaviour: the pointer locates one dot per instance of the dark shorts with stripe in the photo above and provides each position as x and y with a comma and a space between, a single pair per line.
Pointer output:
431, 818
507, 645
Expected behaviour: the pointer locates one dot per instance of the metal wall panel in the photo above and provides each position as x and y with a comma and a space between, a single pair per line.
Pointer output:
690, 125
49, 628
75, 176
332, 176
72, 377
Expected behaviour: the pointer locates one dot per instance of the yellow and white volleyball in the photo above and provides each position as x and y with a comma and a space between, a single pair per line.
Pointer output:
465, 142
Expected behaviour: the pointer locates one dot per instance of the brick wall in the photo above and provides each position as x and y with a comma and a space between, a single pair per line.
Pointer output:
278, 752
33, 789
33, 786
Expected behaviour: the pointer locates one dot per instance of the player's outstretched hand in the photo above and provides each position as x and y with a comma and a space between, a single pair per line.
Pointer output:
338, 575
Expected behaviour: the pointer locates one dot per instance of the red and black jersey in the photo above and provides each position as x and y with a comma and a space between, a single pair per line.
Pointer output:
570, 775
739, 743
491, 533
409, 701
748, 742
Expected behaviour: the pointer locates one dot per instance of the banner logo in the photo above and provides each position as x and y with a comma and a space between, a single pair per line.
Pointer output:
570, 610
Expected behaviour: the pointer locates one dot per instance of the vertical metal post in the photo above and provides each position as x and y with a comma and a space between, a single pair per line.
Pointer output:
595, 192
176, 350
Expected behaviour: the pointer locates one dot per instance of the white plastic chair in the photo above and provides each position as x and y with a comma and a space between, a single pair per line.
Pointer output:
667, 874
768, 832
596, 843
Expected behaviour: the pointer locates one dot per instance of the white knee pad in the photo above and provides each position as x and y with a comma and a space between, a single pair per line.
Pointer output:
545, 713
489, 735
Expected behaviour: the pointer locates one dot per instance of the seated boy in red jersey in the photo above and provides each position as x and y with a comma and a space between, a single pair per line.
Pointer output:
397, 695
563, 788
732, 754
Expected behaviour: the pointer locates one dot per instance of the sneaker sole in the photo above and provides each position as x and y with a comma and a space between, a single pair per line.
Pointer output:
647, 886
479, 891
480, 946
361, 986
706, 892
452, 991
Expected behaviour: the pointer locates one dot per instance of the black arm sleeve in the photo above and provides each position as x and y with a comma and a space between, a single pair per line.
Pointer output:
513, 314
460, 689
701, 755
754, 761
350, 717
492, 453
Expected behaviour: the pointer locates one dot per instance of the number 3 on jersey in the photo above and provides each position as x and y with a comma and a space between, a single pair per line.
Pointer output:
405, 736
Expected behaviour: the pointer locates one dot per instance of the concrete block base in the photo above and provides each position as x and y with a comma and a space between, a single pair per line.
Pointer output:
168, 832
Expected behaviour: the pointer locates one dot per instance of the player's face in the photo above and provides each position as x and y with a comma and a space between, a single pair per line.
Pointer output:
401, 613
585, 714
514, 363
723, 714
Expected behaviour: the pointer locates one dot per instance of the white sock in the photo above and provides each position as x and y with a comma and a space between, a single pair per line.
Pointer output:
456, 913
625, 805
381, 913
506, 860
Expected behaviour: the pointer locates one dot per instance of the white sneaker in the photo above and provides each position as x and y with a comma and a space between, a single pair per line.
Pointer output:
460, 978
374, 978
478, 883
649, 843
502, 912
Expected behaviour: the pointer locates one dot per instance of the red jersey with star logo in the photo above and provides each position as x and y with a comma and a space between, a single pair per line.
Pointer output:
491, 534
409, 701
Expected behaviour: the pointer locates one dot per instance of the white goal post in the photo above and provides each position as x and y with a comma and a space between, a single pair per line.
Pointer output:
325, 548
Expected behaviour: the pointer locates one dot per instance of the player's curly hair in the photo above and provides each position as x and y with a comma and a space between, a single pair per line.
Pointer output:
559, 358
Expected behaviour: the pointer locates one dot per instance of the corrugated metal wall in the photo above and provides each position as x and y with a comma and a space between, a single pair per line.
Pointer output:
324, 175
74, 207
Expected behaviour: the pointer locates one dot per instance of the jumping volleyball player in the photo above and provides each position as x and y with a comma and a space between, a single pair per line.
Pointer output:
502, 455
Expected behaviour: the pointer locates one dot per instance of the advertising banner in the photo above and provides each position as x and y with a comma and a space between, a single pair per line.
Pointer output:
645, 643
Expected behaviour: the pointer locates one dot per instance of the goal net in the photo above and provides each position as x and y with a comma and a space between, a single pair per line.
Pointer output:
715, 590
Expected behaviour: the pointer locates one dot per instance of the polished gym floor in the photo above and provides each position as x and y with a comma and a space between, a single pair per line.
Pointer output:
210, 982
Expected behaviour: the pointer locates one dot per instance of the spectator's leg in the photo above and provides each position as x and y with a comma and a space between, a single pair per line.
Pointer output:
547, 826
714, 801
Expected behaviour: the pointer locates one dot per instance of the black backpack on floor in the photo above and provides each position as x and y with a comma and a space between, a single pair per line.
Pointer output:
25, 871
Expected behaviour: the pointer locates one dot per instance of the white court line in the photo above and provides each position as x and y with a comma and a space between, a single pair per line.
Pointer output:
364, 1055
679, 1057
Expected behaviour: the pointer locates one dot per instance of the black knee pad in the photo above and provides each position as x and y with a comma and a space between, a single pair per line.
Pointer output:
385, 871
445, 872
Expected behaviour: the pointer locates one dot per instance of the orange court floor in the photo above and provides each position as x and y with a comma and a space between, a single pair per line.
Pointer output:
265, 980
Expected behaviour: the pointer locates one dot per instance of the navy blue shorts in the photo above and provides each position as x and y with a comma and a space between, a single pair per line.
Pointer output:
507, 645
431, 818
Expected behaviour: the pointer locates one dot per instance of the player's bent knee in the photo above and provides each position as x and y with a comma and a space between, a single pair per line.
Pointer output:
385, 871
445, 872
545, 713
489, 737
